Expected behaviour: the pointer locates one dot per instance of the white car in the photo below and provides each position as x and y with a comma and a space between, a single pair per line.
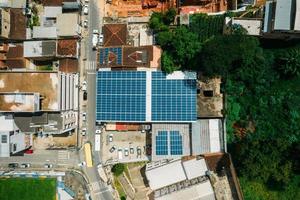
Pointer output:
83, 131
85, 23
84, 116
110, 138
84, 85
86, 9
126, 152
101, 39
82, 164
96, 31
25, 165
94, 40
48, 165
98, 131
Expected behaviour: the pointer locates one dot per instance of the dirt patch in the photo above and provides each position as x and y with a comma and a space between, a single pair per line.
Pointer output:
54, 142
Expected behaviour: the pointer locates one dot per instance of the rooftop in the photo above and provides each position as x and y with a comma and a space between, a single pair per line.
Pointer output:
52, 2
114, 34
19, 102
17, 24
208, 6
68, 65
44, 83
67, 25
67, 48
253, 26
46, 48
130, 57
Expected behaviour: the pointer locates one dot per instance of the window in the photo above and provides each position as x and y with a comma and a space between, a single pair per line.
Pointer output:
4, 139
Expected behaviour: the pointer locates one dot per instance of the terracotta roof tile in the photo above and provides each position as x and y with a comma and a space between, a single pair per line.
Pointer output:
115, 34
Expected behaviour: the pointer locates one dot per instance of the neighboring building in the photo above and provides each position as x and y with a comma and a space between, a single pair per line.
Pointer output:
207, 136
68, 65
67, 48
282, 16
13, 4
71, 5
128, 57
146, 96
114, 34
18, 23
43, 32
206, 6
51, 12
253, 26
4, 23
12, 57
46, 122
68, 25
180, 179
38, 91
42, 50
52, 2
170, 141
12, 140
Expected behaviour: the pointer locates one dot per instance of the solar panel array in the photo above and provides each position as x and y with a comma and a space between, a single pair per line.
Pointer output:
173, 99
164, 139
162, 143
175, 143
121, 96
104, 55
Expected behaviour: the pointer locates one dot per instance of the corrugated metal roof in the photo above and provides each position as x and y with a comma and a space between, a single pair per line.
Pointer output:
283, 15
268, 16
44, 32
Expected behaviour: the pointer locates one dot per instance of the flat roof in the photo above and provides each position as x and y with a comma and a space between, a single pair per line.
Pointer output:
283, 15
253, 26
67, 24
19, 102
45, 48
297, 17
17, 24
42, 32
44, 83
52, 11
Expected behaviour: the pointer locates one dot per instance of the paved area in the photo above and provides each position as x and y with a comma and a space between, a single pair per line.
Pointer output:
123, 140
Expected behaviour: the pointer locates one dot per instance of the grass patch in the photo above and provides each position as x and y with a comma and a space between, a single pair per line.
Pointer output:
126, 170
137, 164
118, 187
45, 68
27, 189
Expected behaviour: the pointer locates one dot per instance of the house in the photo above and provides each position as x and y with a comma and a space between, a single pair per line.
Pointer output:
43, 32
12, 57
128, 57
67, 48
68, 25
68, 65
252, 26
18, 23
114, 34
207, 6
12, 140
13, 4
4, 23
41, 50
38, 91
180, 179
52, 2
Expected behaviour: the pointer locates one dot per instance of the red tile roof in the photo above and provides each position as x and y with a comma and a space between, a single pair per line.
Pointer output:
68, 65
17, 24
115, 34
67, 48
52, 2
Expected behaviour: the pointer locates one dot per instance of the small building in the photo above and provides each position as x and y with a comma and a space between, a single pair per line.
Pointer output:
13, 4
43, 32
179, 179
68, 65
18, 23
114, 34
170, 141
40, 49
52, 2
252, 26
4, 23
12, 57
51, 12
207, 136
12, 140
67, 48
208, 6
127, 57
68, 25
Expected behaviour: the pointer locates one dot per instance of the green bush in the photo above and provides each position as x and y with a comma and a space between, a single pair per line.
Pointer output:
118, 169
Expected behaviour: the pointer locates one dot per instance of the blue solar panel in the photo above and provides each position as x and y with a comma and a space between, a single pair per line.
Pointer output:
173, 99
104, 55
162, 143
175, 143
121, 96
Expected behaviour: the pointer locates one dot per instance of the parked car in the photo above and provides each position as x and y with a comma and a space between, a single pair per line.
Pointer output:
84, 96
82, 164
86, 9
96, 31
94, 40
126, 152
84, 116
13, 165
110, 137
101, 39
84, 86
48, 165
83, 131
86, 1
139, 151
85, 23
98, 131
112, 149
120, 154
29, 151
25, 165
131, 150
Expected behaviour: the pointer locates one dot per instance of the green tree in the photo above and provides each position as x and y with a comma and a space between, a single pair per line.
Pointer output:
168, 65
118, 169
169, 16
288, 62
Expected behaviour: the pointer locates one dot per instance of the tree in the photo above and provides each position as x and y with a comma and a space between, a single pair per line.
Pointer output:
169, 16
168, 65
118, 169
164, 39
288, 62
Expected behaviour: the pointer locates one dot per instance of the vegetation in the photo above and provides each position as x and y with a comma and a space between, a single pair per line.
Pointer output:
27, 189
45, 67
119, 188
118, 169
261, 82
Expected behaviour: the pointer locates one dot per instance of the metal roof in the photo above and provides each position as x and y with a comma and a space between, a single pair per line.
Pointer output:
283, 15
